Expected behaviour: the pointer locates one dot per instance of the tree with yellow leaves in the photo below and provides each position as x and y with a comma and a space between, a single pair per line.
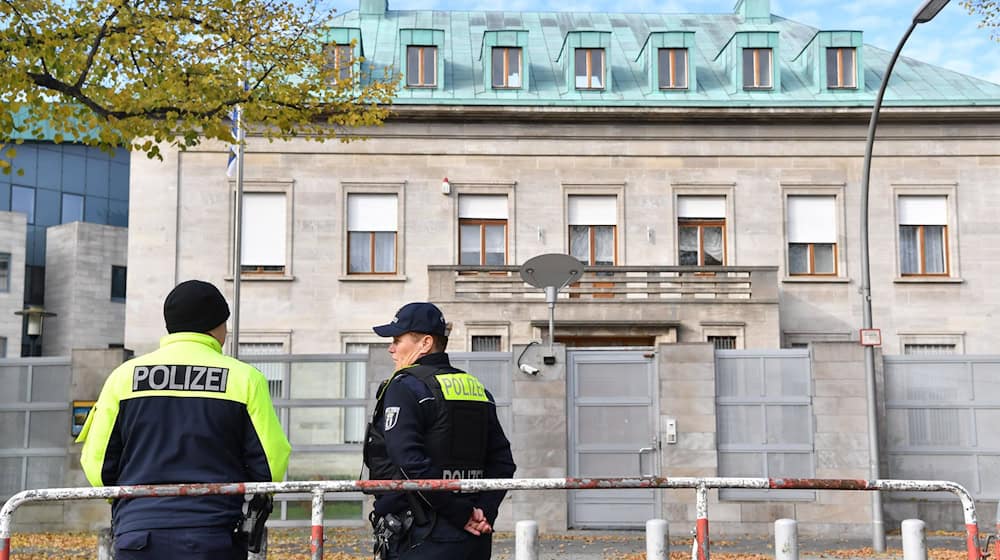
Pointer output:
989, 10
139, 73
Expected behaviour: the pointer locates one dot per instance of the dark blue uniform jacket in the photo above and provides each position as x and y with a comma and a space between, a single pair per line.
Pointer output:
406, 448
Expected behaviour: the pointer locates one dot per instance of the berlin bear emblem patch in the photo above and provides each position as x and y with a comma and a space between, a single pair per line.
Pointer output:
391, 415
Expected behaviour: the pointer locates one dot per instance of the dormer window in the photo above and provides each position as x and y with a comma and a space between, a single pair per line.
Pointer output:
841, 68
507, 67
339, 56
421, 66
589, 68
757, 69
673, 68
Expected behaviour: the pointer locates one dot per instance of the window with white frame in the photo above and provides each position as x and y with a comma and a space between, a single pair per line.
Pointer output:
841, 64
482, 229
812, 235
757, 69
593, 232
421, 66
264, 233
371, 233
923, 235
673, 68
4, 272
354, 388
275, 372
506, 68
701, 230
589, 68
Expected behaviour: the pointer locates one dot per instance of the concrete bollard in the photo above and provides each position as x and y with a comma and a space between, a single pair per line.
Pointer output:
526, 540
657, 540
105, 545
786, 539
914, 540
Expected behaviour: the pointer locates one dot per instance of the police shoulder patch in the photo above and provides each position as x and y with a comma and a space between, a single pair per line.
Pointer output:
391, 415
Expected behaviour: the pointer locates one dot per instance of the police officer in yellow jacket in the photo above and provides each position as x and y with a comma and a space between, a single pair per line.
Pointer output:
184, 413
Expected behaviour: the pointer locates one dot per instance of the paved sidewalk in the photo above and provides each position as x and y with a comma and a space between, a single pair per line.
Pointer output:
355, 544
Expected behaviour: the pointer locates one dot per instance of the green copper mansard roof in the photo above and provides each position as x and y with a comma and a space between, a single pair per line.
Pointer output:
463, 57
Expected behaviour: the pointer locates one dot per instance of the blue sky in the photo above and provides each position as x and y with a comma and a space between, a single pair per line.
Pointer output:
952, 40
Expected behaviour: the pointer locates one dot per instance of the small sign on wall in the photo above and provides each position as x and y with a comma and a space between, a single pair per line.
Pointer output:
871, 337
80, 411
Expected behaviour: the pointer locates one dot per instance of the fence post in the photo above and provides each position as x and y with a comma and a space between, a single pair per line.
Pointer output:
786, 539
105, 545
701, 523
316, 539
914, 540
526, 540
657, 540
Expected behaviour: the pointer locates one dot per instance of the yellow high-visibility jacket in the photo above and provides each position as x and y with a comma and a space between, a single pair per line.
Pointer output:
183, 413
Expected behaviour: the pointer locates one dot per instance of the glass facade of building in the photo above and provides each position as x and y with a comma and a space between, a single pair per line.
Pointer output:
61, 183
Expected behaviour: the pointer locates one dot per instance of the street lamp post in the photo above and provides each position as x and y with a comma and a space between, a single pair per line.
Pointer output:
924, 13
36, 315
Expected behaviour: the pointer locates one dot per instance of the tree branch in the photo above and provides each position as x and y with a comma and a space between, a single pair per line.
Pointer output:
93, 49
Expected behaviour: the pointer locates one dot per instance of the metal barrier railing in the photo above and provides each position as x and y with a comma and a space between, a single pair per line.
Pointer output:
319, 489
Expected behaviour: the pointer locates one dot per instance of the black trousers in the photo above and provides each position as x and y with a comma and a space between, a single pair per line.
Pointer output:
440, 540
190, 543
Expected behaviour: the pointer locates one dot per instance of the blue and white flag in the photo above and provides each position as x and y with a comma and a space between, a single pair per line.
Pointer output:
234, 148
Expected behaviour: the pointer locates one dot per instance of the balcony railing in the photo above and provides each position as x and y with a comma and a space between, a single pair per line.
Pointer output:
661, 284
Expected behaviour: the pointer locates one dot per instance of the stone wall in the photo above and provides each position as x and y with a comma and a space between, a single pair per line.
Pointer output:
13, 230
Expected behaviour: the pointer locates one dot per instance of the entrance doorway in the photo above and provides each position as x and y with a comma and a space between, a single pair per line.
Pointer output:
612, 428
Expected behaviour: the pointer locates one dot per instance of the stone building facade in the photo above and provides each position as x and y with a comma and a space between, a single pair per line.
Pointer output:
85, 286
718, 211
12, 233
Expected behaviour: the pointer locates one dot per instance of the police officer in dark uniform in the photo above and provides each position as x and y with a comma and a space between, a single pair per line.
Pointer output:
433, 421
184, 413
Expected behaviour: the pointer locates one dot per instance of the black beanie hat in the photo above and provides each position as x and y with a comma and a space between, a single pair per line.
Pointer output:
194, 306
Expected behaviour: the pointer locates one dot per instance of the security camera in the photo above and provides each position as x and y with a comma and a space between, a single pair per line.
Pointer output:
529, 369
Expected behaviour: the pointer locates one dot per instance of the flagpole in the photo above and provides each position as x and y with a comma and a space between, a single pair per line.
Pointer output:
234, 348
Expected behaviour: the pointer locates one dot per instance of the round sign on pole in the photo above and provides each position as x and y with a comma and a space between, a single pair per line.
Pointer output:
551, 272
551, 269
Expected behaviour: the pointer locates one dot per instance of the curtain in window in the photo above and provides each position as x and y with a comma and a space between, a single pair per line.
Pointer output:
360, 248
798, 258
713, 245
604, 245
934, 249
496, 245
688, 246
579, 243
354, 388
909, 250
385, 251
823, 258
469, 241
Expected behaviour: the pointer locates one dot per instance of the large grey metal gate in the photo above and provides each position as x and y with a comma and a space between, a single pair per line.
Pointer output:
941, 419
612, 433
765, 418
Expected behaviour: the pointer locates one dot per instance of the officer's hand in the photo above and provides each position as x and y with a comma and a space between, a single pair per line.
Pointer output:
477, 523
402, 360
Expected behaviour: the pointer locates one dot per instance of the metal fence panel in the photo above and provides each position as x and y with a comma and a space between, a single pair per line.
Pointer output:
765, 419
941, 418
35, 421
